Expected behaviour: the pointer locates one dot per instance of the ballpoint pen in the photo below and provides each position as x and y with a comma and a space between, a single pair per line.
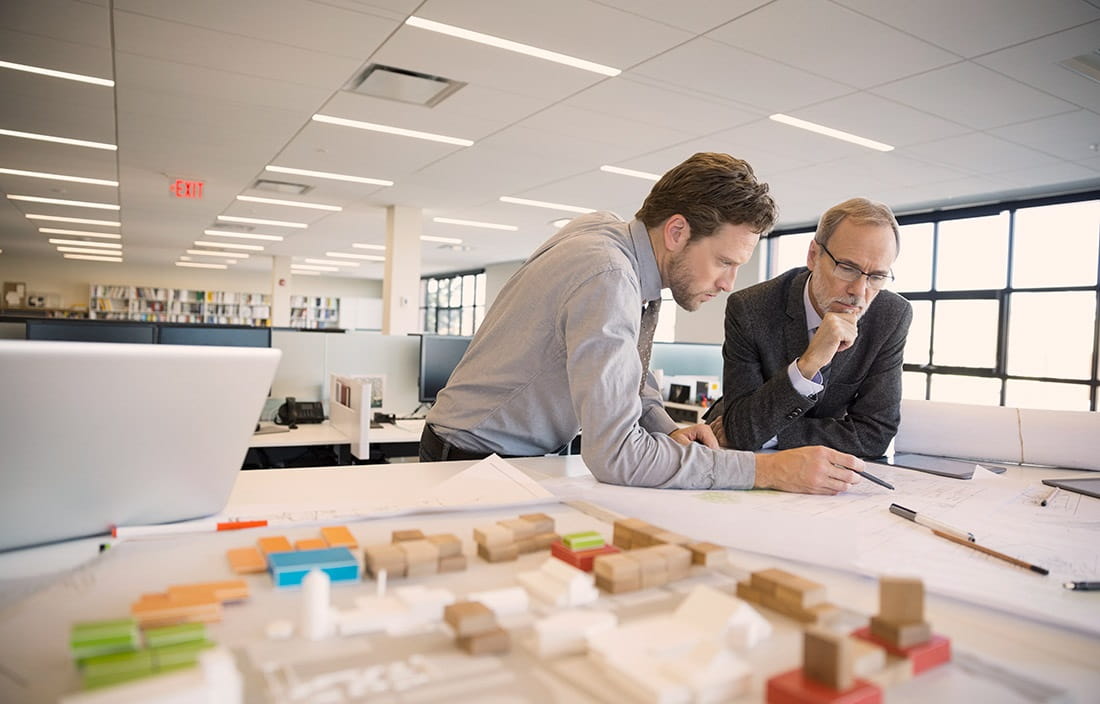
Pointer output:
932, 523
1047, 499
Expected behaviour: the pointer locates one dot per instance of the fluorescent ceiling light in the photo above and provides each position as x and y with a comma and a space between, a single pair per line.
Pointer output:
630, 172
85, 250
303, 272
332, 176
58, 74
92, 258
59, 177
545, 204
230, 245
830, 132
431, 137
82, 221
379, 247
60, 201
509, 45
216, 253
475, 223
367, 257
55, 231
82, 243
445, 240
331, 262
291, 203
311, 267
243, 235
561, 222
59, 140
201, 265
257, 221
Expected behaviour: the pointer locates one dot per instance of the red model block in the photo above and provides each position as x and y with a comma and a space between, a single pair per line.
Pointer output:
581, 559
795, 687
924, 656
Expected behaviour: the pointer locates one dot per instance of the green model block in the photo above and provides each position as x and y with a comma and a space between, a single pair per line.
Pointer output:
93, 638
585, 540
174, 657
104, 670
173, 635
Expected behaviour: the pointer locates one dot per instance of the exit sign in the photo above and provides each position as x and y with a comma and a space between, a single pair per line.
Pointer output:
183, 188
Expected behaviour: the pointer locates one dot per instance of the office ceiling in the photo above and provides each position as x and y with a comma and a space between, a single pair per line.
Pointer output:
970, 93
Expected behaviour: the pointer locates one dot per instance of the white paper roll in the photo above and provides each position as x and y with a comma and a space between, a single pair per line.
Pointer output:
1069, 439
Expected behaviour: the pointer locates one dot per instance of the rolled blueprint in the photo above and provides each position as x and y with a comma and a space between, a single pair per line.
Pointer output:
1068, 439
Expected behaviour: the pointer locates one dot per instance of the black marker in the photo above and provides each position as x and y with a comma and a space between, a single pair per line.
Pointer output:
1082, 586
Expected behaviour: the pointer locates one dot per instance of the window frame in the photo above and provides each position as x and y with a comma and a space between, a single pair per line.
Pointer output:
448, 280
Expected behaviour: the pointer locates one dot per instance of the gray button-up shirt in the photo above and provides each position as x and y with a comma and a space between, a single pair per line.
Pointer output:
558, 351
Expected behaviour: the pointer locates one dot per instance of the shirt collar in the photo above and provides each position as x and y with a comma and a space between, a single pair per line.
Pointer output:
649, 277
813, 320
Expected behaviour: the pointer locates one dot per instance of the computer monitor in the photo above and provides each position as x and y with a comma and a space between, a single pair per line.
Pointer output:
75, 330
439, 355
220, 335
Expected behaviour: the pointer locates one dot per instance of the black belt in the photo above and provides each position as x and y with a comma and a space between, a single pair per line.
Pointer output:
438, 447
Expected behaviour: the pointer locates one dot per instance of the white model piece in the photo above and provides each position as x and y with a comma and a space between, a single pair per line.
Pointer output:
567, 632
723, 617
503, 602
560, 584
316, 623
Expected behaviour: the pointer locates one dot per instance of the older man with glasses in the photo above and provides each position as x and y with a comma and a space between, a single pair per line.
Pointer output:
808, 360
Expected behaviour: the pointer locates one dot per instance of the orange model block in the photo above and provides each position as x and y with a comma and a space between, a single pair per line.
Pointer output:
246, 560
275, 543
338, 537
310, 544
162, 610
230, 590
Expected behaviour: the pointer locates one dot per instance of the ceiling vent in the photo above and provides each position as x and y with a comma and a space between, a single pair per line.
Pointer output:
284, 187
402, 85
1087, 65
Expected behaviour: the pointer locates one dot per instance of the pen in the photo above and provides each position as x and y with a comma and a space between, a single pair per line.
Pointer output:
932, 523
1046, 499
1082, 586
867, 475
209, 526
994, 553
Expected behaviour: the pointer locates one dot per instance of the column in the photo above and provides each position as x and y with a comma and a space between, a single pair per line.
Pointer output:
401, 285
280, 292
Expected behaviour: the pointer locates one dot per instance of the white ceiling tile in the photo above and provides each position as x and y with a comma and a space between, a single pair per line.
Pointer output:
979, 153
975, 27
605, 35
635, 100
692, 15
1036, 63
715, 69
764, 162
973, 96
59, 108
447, 118
877, 118
1064, 173
790, 31
620, 130
57, 34
1069, 136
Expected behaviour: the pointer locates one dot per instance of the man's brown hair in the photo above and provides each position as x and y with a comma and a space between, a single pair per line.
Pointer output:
710, 190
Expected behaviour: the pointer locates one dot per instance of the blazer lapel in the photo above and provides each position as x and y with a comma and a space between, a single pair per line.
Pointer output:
795, 336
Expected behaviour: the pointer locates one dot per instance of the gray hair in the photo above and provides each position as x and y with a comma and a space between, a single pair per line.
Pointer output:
862, 212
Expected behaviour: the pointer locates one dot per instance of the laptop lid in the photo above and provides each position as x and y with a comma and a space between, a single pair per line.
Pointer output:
100, 434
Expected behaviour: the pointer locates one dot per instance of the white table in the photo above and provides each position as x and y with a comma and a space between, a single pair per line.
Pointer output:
392, 439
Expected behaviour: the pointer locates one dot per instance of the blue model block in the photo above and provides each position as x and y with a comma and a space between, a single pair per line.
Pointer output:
288, 569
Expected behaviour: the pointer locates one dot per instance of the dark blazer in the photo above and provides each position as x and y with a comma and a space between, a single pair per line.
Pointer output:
858, 411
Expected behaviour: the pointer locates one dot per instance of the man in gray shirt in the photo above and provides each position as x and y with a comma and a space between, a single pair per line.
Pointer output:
559, 348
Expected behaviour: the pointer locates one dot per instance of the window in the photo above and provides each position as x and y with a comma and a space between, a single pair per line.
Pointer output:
452, 304
1004, 301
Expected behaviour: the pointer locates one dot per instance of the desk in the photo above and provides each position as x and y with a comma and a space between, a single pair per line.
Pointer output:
392, 440
34, 623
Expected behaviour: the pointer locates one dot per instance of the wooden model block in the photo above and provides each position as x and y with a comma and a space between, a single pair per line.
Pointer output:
794, 687
490, 642
542, 522
543, 541
493, 535
901, 600
448, 544
526, 546
790, 588
246, 560
625, 531
310, 544
384, 556
498, 553
707, 554
827, 658
469, 618
520, 528
338, 537
400, 536
868, 659
231, 590
274, 543
455, 563
617, 566
677, 559
421, 557
901, 635
817, 614
667, 537
895, 670
619, 586
161, 610
923, 657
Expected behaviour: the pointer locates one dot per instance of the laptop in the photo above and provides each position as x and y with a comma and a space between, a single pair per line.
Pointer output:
100, 434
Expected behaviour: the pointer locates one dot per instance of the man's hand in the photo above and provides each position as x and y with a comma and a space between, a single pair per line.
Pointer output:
700, 433
719, 430
836, 333
807, 470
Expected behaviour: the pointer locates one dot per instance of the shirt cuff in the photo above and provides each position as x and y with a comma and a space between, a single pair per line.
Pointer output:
804, 386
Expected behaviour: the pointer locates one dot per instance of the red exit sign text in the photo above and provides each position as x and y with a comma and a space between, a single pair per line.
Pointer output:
182, 188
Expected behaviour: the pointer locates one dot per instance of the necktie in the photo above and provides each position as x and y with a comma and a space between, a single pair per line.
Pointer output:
645, 337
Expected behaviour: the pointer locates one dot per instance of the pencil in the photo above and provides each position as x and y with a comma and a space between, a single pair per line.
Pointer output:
876, 480
994, 553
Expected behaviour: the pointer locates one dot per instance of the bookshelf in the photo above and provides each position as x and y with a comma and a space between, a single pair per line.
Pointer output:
178, 305
314, 312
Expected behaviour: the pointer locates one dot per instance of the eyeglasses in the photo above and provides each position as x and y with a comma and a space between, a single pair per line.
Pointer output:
846, 272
